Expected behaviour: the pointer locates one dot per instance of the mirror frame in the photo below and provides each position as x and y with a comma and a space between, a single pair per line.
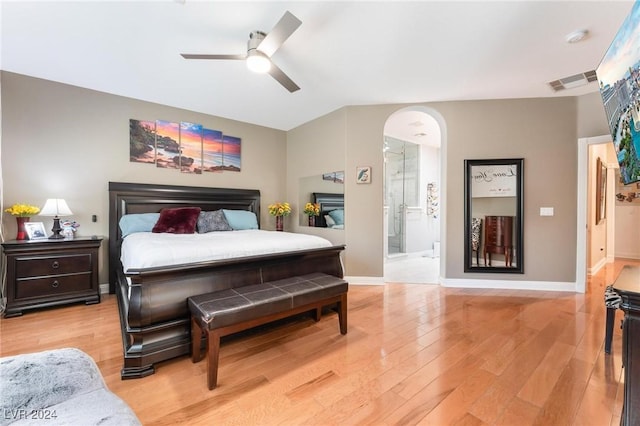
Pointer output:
518, 163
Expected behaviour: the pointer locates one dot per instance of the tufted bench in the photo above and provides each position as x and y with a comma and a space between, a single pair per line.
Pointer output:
228, 311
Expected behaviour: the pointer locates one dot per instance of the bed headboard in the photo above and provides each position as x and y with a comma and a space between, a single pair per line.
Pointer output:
127, 198
327, 203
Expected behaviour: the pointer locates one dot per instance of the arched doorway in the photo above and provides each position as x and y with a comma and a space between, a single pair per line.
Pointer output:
413, 202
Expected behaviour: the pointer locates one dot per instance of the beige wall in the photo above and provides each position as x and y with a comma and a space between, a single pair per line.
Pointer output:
60, 141
592, 120
542, 131
313, 149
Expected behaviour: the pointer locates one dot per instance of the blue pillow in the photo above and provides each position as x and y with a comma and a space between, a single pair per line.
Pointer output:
139, 222
241, 219
337, 216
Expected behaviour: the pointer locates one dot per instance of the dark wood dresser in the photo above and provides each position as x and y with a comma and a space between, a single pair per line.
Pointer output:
628, 287
43, 273
498, 238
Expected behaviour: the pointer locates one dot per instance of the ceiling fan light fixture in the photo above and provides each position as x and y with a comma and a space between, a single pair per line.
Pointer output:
258, 62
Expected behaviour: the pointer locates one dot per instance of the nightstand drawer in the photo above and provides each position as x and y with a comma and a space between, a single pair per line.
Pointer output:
46, 273
52, 285
52, 265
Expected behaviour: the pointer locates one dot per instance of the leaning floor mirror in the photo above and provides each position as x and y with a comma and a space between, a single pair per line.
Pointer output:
493, 216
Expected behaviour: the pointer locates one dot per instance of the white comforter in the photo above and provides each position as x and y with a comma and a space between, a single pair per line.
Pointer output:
146, 249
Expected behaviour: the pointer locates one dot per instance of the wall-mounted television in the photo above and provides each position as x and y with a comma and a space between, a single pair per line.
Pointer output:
619, 79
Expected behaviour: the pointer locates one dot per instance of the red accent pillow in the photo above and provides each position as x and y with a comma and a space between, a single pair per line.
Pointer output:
181, 220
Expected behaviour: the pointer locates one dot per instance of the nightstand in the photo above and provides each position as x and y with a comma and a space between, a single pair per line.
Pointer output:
44, 273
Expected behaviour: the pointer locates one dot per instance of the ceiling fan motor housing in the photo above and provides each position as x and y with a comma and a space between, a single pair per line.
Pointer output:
255, 38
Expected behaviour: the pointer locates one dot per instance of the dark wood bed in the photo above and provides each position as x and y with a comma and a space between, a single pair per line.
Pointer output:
327, 202
154, 316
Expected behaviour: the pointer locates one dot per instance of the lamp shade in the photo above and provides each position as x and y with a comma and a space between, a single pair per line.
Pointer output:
55, 207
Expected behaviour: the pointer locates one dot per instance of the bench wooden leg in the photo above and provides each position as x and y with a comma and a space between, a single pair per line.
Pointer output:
317, 313
342, 313
213, 349
196, 337
608, 331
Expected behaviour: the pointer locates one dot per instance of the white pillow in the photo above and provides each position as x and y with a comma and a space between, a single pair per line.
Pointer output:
329, 220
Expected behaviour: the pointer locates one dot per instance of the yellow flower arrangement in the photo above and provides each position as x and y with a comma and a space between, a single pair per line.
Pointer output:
22, 210
312, 209
280, 209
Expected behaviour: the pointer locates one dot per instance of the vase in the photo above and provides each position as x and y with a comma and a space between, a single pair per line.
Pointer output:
22, 232
279, 223
312, 221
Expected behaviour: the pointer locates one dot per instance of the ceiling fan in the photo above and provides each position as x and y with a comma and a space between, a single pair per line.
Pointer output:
260, 47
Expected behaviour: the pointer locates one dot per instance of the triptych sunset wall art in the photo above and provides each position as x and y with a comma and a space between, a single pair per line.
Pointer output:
183, 146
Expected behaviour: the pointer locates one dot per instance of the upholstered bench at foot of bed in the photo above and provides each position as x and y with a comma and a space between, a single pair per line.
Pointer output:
229, 311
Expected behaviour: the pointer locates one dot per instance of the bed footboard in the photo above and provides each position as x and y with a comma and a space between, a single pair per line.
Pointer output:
154, 315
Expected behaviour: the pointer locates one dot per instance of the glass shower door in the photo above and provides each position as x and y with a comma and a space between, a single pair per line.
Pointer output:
401, 189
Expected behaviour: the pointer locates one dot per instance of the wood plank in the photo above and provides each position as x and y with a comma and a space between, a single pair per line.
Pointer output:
413, 353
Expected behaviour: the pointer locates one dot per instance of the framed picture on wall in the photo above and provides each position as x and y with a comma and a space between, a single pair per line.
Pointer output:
601, 191
363, 174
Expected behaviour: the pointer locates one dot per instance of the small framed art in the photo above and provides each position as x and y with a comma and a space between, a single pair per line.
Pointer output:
35, 230
363, 174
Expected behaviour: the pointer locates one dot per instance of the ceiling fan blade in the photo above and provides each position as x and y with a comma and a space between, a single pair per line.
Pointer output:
282, 31
282, 78
199, 56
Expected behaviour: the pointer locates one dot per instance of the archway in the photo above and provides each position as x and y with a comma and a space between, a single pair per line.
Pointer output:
414, 150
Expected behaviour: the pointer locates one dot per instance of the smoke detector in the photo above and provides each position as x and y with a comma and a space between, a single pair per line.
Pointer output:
576, 36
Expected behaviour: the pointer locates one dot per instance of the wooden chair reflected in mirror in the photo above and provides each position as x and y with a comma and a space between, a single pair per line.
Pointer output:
498, 238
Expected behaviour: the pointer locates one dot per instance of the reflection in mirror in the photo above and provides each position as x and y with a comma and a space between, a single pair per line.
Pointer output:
327, 190
493, 216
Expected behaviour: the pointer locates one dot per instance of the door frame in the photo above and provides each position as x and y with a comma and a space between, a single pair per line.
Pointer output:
581, 219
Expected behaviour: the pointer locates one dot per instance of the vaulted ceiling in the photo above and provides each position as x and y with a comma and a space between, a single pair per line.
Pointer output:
344, 53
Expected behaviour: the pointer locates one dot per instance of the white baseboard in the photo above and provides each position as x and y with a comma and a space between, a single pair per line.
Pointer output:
509, 284
459, 283
471, 283
594, 269
635, 256
365, 280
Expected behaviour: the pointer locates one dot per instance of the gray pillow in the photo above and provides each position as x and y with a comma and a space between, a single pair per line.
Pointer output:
212, 221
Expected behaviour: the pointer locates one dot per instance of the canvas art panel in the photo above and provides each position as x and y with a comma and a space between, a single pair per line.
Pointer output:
184, 146
212, 150
167, 144
142, 141
231, 153
190, 158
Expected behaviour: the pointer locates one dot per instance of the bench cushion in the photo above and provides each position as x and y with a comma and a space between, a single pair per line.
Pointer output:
222, 308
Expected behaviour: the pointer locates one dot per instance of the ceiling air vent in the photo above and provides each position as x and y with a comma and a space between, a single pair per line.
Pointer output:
573, 81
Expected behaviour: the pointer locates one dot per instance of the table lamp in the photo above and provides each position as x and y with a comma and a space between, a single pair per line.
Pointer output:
56, 207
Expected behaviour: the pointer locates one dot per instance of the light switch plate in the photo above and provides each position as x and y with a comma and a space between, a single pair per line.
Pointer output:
546, 211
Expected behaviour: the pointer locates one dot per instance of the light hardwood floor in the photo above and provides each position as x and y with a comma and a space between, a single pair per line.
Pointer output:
414, 354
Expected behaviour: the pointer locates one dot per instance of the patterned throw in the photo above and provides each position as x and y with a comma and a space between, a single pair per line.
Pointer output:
611, 298
476, 224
